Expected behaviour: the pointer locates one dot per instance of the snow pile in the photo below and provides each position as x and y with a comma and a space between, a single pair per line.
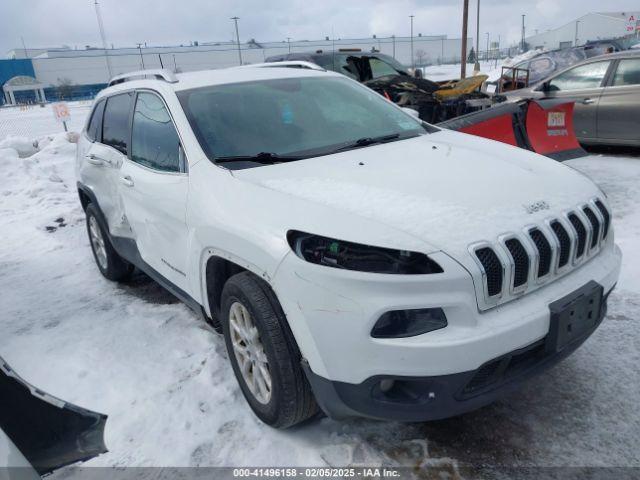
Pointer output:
23, 146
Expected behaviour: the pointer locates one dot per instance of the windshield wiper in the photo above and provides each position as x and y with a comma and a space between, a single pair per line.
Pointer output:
366, 141
266, 158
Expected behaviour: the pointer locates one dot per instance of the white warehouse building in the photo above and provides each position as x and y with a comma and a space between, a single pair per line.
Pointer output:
588, 27
91, 66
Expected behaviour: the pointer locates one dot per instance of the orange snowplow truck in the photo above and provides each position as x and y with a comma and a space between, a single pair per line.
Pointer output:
542, 126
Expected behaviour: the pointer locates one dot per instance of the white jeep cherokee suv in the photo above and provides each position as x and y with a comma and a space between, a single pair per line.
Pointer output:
354, 257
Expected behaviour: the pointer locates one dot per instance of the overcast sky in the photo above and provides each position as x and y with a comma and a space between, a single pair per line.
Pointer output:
48, 23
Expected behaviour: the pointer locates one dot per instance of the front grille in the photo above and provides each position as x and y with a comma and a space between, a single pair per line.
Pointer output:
564, 241
544, 251
595, 225
492, 269
605, 216
581, 231
520, 261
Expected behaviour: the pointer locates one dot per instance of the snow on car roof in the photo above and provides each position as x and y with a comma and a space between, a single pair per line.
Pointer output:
203, 78
242, 74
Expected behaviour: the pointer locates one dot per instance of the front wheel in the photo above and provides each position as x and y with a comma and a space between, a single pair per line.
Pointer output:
264, 354
111, 265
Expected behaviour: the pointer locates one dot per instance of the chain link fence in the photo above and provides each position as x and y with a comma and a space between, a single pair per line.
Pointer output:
34, 121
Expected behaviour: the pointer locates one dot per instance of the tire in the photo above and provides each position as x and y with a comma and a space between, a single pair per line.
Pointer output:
289, 400
111, 265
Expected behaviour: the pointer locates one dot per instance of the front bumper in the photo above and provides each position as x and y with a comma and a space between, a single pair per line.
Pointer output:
413, 399
331, 313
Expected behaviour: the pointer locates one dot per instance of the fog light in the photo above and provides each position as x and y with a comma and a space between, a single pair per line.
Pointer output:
409, 323
386, 384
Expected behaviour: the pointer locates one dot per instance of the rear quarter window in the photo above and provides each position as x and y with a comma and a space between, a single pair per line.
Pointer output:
94, 129
115, 123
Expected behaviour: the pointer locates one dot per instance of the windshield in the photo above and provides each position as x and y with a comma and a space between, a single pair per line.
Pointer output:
292, 117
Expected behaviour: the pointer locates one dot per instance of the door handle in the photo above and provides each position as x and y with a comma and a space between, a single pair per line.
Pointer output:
588, 101
96, 160
127, 181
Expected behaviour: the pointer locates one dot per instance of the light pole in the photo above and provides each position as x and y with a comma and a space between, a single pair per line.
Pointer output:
487, 34
523, 30
289, 44
104, 38
141, 57
476, 67
463, 54
393, 39
235, 21
575, 42
413, 65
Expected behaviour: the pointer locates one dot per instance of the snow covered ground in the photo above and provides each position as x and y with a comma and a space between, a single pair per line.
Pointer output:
133, 352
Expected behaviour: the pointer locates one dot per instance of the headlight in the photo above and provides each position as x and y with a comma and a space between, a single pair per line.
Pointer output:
363, 258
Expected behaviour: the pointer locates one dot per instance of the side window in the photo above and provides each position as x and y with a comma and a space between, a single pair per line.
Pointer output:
584, 76
115, 123
94, 130
155, 142
627, 73
380, 68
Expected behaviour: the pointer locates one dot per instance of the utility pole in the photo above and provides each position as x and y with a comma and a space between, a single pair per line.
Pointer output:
26, 54
413, 65
487, 33
235, 20
476, 67
523, 31
393, 39
104, 38
289, 43
463, 55
575, 42
141, 57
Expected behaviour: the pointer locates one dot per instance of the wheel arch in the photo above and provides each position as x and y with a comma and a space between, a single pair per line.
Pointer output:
217, 266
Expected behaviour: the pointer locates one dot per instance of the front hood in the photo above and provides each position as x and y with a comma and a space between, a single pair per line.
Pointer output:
447, 189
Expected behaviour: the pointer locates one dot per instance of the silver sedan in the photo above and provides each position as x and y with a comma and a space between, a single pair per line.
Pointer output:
606, 91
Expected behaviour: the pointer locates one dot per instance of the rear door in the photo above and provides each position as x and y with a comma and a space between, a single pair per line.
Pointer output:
104, 157
619, 107
154, 186
583, 85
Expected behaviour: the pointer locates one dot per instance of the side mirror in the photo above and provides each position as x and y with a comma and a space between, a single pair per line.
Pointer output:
546, 87
411, 111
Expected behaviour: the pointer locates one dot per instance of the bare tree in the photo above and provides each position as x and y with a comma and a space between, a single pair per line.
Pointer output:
65, 88
421, 56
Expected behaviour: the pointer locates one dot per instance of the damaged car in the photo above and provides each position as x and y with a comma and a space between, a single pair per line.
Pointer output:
434, 101
356, 260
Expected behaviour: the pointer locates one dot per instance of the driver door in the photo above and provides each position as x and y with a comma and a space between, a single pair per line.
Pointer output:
154, 186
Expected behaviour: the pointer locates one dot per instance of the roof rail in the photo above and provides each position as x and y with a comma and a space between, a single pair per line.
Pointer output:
286, 64
158, 74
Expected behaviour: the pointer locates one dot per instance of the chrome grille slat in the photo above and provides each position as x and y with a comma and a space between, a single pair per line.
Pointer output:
581, 234
564, 243
595, 226
605, 215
